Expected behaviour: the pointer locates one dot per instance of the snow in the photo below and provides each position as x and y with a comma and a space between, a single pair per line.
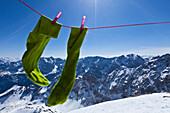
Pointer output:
20, 69
86, 70
164, 75
54, 70
151, 103
15, 87
44, 89
14, 104
97, 61
165, 72
23, 110
112, 84
121, 72
5, 73
140, 79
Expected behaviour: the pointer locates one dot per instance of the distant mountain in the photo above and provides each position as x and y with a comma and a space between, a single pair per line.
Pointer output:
8, 59
98, 79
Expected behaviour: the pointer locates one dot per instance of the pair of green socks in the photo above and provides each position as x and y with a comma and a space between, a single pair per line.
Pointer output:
36, 43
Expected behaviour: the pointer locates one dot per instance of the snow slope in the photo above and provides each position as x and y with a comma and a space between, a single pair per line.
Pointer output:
15, 104
151, 103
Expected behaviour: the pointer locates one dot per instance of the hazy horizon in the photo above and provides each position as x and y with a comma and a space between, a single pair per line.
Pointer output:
144, 56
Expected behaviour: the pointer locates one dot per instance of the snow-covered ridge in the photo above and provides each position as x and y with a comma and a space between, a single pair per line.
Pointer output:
152, 103
15, 87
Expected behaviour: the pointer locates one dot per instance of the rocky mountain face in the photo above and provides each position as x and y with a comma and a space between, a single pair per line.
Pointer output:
98, 79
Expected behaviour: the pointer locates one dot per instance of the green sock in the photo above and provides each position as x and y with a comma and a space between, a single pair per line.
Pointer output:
63, 87
36, 43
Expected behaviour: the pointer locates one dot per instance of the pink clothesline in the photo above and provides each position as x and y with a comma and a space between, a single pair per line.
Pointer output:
104, 26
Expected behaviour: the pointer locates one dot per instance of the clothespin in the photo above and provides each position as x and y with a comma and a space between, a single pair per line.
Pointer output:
56, 18
82, 23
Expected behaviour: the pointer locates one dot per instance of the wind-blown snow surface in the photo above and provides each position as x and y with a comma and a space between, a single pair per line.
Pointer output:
151, 103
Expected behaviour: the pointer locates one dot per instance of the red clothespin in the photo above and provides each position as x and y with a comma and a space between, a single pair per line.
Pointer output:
56, 18
82, 23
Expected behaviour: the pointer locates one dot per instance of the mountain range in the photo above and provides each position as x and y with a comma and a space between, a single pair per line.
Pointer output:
98, 79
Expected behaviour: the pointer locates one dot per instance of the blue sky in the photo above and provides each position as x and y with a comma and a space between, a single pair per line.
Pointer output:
17, 21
